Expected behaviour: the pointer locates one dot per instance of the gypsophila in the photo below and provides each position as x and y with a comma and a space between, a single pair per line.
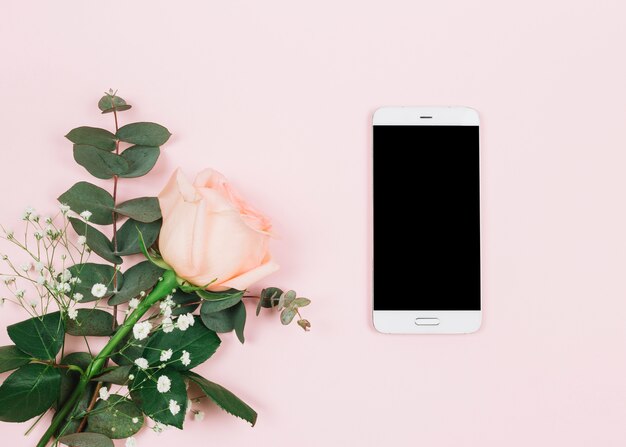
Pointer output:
99, 290
142, 330
66, 275
104, 393
199, 416
133, 303
78, 296
131, 377
20, 293
131, 442
82, 240
41, 280
135, 420
167, 325
164, 384
72, 314
64, 208
166, 355
185, 359
158, 427
184, 321
86, 215
39, 267
26, 267
174, 407
142, 363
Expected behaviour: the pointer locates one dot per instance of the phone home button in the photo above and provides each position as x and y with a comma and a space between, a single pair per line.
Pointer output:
427, 321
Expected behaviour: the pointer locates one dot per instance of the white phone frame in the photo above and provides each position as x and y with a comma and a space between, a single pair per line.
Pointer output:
448, 321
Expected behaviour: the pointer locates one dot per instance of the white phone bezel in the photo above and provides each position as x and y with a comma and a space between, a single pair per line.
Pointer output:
450, 321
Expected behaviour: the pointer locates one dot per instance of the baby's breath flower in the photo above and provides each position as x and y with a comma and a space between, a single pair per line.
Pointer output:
72, 314
185, 359
77, 296
28, 212
199, 416
48, 220
142, 294
133, 303
39, 266
167, 325
184, 321
158, 427
41, 280
164, 384
66, 275
38, 235
135, 420
131, 442
174, 407
104, 393
64, 208
142, 330
9, 280
26, 267
86, 215
99, 290
10, 234
166, 355
20, 293
142, 363
82, 240
131, 377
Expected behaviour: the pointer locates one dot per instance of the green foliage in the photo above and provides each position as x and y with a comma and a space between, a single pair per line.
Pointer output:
90, 274
41, 337
128, 236
142, 209
100, 163
269, 298
156, 404
11, 357
111, 102
86, 440
140, 159
287, 303
185, 302
96, 241
84, 196
144, 134
90, 322
117, 375
28, 392
226, 320
216, 301
139, 278
129, 350
93, 136
114, 418
226, 400
69, 378
199, 341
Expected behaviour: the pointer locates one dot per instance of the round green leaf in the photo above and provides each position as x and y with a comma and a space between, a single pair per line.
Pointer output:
144, 134
199, 341
84, 196
11, 357
226, 320
156, 404
110, 103
114, 418
117, 375
96, 241
28, 392
139, 278
90, 322
143, 209
99, 163
41, 337
301, 302
93, 136
140, 159
128, 236
90, 274
86, 440
286, 316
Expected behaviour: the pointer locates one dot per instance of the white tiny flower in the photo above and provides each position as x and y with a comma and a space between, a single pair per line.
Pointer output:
9, 280
82, 240
27, 213
131, 377
142, 363
142, 294
20, 293
66, 275
41, 280
135, 420
39, 266
78, 296
64, 208
184, 321
48, 220
164, 384
167, 325
133, 303
104, 393
72, 314
166, 355
73, 280
158, 427
66, 288
131, 442
26, 267
167, 312
185, 359
10, 234
33, 303
199, 416
99, 290
174, 407
38, 235
189, 403
86, 215
142, 330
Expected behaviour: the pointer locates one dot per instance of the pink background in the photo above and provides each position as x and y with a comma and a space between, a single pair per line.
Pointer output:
278, 95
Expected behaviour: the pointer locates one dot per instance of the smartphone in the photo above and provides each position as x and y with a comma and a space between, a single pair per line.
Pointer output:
427, 273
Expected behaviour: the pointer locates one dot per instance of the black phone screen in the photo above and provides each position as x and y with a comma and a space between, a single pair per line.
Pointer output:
426, 218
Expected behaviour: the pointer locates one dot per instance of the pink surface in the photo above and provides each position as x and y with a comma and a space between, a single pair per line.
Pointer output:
278, 96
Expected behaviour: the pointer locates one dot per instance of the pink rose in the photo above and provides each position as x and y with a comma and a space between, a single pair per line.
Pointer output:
210, 233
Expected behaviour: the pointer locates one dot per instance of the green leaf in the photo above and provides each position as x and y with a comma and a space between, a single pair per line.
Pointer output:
140, 159
139, 278
28, 392
144, 134
301, 302
110, 103
96, 241
143, 209
269, 298
70, 378
226, 320
286, 316
84, 196
83, 403
114, 418
86, 440
129, 350
90, 274
156, 404
286, 299
12, 358
40, 337
118, 375
99, 163
200, 342
93, 136
128, 236
186, 303
216, 301
90, 322
226, 400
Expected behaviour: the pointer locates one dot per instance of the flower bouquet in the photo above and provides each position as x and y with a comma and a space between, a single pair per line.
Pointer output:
202, 246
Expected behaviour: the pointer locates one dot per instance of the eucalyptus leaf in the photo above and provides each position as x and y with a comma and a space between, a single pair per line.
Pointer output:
98, 162
118, 375
140, 159
286, 299
216, 301
90, 274
301, 302
114, 418
93, 136
226, 400
226, 320
156, 404
199, 341
269, 298
41, 337
128, 236
96, 241
110, 103
11, 357
86, 440
287, 315
139, 278
143, 209
145, 134
84, 196
90, 322
28, 392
